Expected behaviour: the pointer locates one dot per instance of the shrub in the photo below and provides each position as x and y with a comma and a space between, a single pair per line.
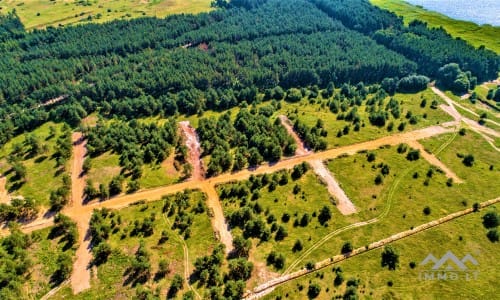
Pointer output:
427, 210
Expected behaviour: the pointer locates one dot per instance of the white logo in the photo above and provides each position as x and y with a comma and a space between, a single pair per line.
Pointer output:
449, 258
449, 267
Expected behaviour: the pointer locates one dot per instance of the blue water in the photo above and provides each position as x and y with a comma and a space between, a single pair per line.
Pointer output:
477, 11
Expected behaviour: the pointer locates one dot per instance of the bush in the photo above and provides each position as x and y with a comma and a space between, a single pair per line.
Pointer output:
413, 154
427, 210
313, 291
491, 220
468, 160
346, 248
493, 235
297, 246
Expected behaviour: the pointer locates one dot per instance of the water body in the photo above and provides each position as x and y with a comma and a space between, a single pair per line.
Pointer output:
477, 11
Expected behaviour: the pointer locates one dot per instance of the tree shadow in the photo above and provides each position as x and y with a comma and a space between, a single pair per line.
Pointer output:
134, 277
40, 159
16, 186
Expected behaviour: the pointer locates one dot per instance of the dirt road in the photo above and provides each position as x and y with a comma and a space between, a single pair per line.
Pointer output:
343, 203
194, 150
80, 277
219, 223
433, 160
301, 148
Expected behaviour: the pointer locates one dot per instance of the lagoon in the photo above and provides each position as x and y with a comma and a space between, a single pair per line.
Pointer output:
477, 11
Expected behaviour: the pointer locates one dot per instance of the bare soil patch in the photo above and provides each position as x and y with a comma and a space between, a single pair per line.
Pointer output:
433, 160
301, 148
194, 156
343, 203
4, 195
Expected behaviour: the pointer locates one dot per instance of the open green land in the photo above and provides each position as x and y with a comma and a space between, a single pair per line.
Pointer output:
41, 171
43, 13
462, 236
32, 263
404, 199
309, 111
485, 35
125, 237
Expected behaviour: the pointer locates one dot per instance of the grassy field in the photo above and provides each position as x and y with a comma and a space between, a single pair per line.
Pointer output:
474, 34
111, 279
42, 252
309, 113
405, 197
42, 175
462, 236
43, 13
312, 197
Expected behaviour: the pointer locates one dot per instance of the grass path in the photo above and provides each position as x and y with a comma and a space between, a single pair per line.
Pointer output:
186, 257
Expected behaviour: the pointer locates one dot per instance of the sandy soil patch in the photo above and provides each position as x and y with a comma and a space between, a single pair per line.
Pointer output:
194, 149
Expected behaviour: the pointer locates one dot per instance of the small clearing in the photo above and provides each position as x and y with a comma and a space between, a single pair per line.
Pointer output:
343, 203
194, 148
433, 160
301, 148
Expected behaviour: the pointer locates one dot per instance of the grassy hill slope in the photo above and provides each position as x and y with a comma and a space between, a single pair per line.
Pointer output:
476, 35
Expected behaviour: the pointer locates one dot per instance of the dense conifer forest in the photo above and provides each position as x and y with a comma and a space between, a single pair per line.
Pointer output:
216, 60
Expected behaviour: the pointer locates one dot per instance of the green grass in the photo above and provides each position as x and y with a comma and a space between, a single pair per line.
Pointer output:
43, 254
312, 197
104, 168
42, 175
407, 197
474, 34
401, 200
43, 13
309, 113
110, 279
461, 236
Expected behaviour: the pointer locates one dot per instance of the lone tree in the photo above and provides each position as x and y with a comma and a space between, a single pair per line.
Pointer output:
491, 220
390, 258
468, 160
347, 248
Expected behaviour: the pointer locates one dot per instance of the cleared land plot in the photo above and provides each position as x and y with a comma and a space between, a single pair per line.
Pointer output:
401, 200
111, 279
43, 13
310, 111
472, 33
462, 236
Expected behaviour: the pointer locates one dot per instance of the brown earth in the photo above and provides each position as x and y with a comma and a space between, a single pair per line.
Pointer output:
194, 148
4, 195
80, 277
343, 203
433, 160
